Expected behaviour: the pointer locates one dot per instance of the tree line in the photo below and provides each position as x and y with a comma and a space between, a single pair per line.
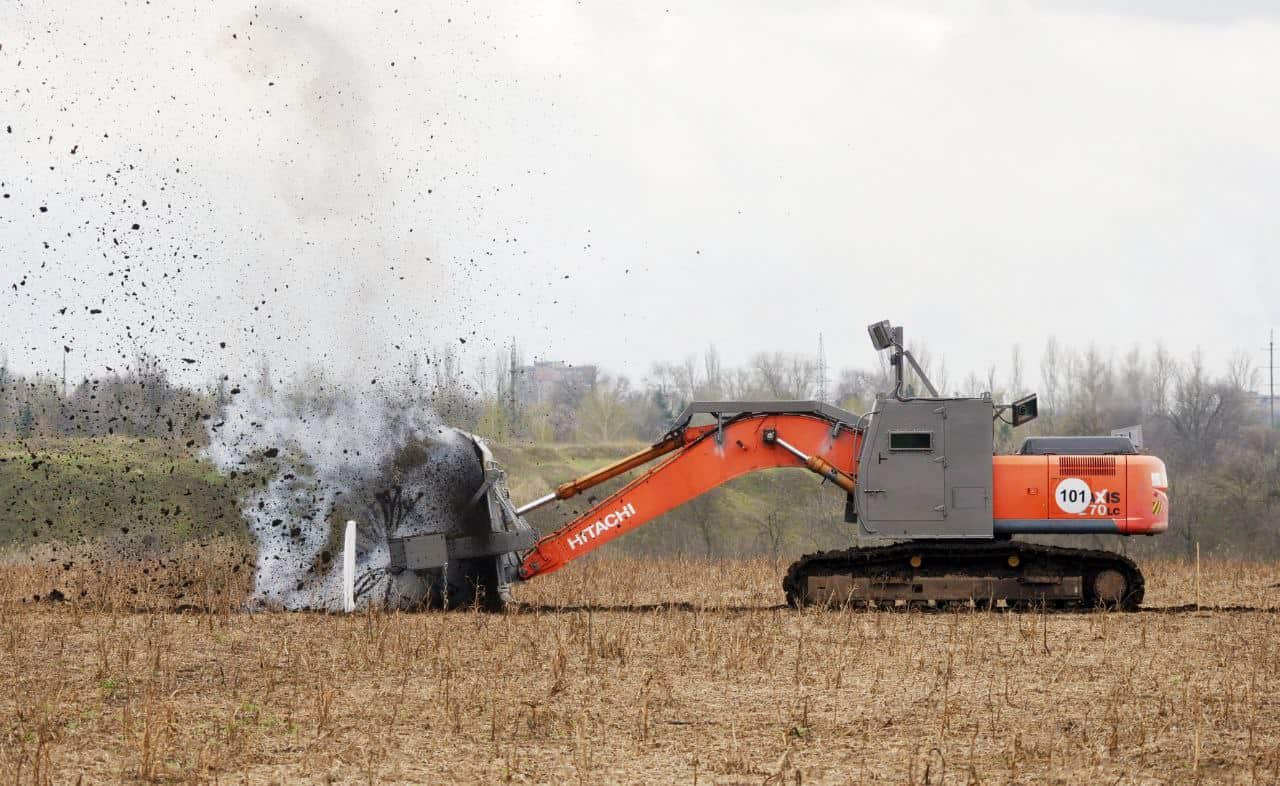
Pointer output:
1211, 428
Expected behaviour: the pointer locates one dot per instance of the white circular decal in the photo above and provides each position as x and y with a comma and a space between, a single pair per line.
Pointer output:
1072, 495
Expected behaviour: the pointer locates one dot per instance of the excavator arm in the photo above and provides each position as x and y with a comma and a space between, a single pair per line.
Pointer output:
697, 459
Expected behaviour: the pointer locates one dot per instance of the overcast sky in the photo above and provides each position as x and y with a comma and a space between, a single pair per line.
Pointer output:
353, 182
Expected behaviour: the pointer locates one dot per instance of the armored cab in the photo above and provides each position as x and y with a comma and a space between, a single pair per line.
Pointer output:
925, 469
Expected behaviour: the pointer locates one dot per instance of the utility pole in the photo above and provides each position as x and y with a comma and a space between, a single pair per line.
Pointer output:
1271, 367
822, 369
513, 402
65, 351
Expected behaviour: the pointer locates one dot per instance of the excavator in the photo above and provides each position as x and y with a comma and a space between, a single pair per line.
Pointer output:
936, 511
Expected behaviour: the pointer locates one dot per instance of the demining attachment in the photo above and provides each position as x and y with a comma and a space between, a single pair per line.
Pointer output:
474, 563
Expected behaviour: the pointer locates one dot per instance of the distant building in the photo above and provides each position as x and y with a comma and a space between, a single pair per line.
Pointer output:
553, 383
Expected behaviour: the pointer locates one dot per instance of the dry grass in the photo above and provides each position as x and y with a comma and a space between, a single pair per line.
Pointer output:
629, 672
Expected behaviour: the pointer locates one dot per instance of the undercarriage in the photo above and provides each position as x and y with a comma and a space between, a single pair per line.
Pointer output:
1008, 573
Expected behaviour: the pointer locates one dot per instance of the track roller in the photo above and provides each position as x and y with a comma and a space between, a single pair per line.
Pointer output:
1021, 575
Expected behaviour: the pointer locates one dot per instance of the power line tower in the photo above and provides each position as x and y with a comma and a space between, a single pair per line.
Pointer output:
822, 370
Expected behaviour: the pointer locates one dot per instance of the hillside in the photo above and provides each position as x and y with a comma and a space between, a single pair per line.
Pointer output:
157, 491
128, 488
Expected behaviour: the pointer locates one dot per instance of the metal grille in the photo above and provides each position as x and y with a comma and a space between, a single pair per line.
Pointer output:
1086, 466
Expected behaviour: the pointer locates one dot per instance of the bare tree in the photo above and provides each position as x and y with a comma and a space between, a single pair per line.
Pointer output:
713, 380
1093, 380
7, 413
1016, 388
690, 380
740, 383
1131, 403
856, 388
773, 529
1050, 391
1163, 370
785, 376
451, 394
603, 415
1204, 413
1242, 374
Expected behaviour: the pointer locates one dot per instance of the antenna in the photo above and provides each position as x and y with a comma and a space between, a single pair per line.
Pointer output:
886, 336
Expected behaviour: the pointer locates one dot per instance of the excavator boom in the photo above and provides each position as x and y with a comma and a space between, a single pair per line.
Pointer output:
701, 458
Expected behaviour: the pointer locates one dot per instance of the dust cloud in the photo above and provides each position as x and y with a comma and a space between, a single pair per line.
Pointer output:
315, 461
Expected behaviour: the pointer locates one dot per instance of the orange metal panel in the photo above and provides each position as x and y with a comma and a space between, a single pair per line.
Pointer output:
1148, 509
1020, 487
1133, 490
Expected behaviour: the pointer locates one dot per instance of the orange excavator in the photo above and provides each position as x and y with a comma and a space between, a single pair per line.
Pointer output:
920, 481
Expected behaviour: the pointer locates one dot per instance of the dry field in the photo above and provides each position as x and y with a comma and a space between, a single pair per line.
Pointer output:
622, 671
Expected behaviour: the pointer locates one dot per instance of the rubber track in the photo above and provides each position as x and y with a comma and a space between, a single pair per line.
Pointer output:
957, 557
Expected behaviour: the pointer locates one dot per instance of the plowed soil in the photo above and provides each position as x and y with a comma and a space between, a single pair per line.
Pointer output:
627, 671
